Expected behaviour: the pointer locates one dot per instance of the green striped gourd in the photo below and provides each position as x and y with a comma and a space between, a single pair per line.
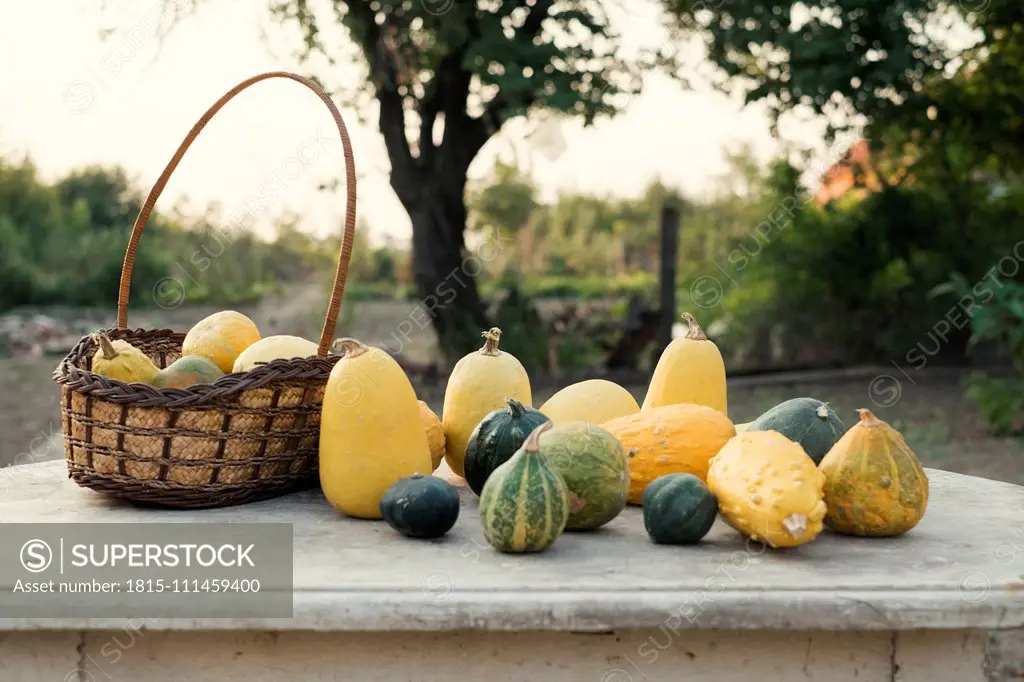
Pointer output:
595, 469
524, 505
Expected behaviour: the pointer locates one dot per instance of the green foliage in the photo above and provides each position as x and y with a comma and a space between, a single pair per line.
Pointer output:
522, 331
64, 243
860, 60
998, 319
1000, 401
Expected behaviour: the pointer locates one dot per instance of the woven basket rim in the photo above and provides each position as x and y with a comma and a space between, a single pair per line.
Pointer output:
80, 380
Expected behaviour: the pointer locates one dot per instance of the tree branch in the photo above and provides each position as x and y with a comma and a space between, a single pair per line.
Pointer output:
485, 127
384, 74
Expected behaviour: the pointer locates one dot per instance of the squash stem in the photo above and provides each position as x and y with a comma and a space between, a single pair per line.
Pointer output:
795, 524
694, 332
867, 418
491, 338
515, 407
106, 347
532, 443
351, 348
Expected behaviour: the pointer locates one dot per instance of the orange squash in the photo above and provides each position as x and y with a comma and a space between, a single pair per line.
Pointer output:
673, 439
435, 434
221, 338
874, 484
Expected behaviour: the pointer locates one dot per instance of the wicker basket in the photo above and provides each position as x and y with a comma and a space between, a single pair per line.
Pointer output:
246, 437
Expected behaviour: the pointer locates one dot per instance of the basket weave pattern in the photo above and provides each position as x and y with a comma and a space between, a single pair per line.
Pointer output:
246, 437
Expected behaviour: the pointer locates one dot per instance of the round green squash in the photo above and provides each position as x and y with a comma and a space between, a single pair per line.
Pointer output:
809, 422
679, 509
595, 469
186, 371
524, 504
496, 438
421, 506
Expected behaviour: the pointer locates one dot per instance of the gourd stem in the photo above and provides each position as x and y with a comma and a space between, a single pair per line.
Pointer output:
106, 347
491, 338
515, 407
795, 525
867, 418
694, 332
351, 348
532, 443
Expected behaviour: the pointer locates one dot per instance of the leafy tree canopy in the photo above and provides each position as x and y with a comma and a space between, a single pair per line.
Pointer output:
929, 65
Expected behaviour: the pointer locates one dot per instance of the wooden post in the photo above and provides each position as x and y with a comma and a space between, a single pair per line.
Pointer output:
667, 302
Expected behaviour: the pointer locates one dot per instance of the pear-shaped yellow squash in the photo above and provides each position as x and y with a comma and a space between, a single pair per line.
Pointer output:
122, 361
691, 370
371, 434
480, 383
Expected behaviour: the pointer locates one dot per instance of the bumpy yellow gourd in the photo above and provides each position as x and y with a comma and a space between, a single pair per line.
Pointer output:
768, 489
435, 434
221, 338
480, 383
690, 370
874, 484
595, 401
371, 434
122, 361
282, 347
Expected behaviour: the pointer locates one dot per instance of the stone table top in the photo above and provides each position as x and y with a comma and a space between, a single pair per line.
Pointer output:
961, 567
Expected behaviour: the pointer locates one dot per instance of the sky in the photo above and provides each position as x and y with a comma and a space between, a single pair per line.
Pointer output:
69, 98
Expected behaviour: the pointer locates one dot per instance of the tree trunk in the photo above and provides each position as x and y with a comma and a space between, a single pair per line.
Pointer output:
445, 272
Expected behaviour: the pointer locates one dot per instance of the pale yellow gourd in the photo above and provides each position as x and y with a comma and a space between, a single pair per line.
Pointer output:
768, 489
221, 338
122, 361
371, 433
282, 347
595, 401
480, 383
690, 370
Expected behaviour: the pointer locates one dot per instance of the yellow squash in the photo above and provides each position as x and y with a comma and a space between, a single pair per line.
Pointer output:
874, 484
768, 489
122, 361
435, 434
480, 383
371, 434
691, 370
270, 348
221, 338
674, 439
595, 401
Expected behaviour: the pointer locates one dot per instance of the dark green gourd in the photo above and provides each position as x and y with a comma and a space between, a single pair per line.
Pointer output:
679, 509
496, 438
421, 506
811, 423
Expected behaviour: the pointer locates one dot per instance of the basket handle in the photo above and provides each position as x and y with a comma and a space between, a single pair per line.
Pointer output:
340, 275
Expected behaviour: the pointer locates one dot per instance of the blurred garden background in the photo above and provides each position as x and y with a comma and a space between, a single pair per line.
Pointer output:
880, 266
